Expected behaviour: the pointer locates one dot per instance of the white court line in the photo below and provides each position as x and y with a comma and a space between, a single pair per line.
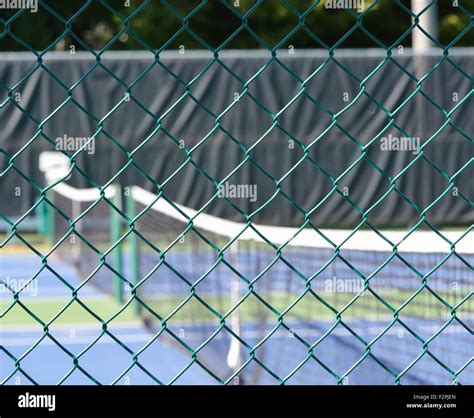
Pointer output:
19, 342
254, 334
180, 323
67, 327
54, 298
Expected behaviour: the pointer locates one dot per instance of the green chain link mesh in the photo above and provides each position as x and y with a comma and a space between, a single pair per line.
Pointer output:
111, 258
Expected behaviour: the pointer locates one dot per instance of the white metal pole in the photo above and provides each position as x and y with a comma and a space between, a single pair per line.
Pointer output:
428, 20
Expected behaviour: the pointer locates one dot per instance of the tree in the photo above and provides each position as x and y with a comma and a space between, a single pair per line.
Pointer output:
199, 24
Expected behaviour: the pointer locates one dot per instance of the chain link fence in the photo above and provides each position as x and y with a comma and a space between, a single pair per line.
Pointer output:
299, 301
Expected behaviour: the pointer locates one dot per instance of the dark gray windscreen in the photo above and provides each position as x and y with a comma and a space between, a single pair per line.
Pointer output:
289, 134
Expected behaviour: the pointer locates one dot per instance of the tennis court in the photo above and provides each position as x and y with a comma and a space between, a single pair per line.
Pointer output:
310, 315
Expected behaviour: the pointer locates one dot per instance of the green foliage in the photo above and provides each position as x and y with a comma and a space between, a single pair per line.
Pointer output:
221, 24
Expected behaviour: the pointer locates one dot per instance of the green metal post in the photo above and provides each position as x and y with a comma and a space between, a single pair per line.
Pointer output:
41, 219
134, 254
115, 234
49, 221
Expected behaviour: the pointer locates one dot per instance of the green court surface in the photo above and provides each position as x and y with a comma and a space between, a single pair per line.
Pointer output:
324, 306
64, 312
309, 307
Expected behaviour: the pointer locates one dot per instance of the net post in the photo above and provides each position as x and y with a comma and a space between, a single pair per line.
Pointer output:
234, 356
115, 235
41, 218
55, 167
134, 254
49, 219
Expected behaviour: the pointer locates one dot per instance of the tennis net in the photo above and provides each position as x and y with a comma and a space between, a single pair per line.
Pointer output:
304, 306
85, 231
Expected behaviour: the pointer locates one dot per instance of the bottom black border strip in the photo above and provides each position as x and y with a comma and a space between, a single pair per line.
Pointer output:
245, 401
